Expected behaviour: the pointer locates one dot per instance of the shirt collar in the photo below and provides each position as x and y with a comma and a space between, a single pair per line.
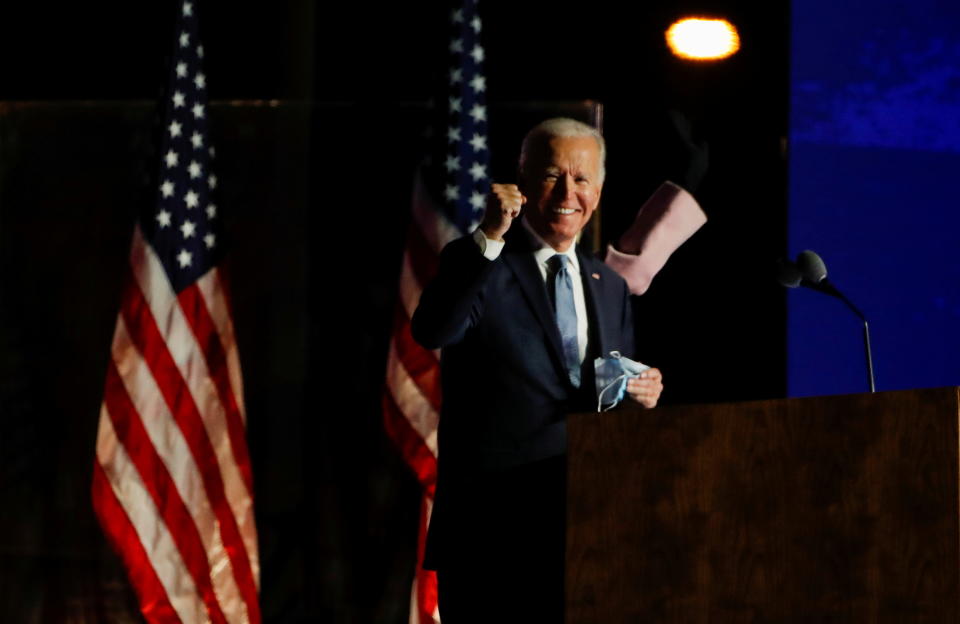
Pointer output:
544, 251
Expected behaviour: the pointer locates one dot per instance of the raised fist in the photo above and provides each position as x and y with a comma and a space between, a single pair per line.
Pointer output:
503, 206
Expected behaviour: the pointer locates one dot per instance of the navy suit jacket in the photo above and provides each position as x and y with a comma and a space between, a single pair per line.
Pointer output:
506, 392
505, 387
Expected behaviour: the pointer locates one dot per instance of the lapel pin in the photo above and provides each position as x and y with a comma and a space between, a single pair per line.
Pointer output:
595, 276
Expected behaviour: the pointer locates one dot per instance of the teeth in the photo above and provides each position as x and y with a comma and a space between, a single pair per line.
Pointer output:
563, 211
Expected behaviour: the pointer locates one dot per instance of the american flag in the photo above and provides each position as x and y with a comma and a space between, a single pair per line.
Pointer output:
448, 200
172, 484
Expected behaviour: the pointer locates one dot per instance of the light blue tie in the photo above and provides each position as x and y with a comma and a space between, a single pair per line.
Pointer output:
566, 313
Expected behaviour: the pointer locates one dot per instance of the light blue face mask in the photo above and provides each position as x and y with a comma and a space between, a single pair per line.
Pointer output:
612, 373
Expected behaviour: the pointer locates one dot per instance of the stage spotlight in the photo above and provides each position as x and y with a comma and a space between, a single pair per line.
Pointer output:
703, 39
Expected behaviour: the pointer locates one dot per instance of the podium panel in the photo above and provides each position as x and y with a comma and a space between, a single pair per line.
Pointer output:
826, 509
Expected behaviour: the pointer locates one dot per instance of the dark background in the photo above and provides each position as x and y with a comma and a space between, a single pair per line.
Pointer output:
317, 114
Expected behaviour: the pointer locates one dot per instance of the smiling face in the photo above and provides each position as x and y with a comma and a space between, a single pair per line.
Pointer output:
562, 182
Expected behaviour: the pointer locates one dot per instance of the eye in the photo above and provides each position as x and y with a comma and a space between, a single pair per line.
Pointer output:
582, 180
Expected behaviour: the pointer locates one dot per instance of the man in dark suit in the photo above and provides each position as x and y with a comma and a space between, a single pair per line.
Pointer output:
520, 316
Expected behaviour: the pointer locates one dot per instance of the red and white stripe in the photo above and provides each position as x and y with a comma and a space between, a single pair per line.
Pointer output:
411, 402
172, 482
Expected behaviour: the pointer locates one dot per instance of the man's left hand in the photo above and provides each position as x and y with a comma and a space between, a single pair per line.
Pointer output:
646, 389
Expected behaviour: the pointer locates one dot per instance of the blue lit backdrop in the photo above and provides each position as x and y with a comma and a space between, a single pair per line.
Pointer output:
874, 166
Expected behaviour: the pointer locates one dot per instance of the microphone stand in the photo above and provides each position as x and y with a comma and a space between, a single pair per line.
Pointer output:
825, 286
866, 344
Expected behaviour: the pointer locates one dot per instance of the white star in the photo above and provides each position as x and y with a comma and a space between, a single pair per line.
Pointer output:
456, 45
200, 81
478, 171
174, 128
479, 83
200, 51
456, 75
212, 152
477, 53
189, 228
211, 211
163, 218
166, 189
478, 112
191, 199
475, 24
457, 16
210, 240
197, 140
454, 104
453, 134
194, 169
177, 99
213, 181
477, 200
172, 158
452, 164
198, 111
184, 39
478, 142
184, 258
181, 70
187, 9
451, 193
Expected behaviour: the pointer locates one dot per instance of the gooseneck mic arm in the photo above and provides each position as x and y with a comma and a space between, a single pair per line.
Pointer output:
812, 273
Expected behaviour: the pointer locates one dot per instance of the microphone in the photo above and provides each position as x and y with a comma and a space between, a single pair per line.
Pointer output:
811, 266
788, 274
810, 271
814, 273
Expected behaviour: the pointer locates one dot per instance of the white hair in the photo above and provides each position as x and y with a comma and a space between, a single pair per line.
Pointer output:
564, 128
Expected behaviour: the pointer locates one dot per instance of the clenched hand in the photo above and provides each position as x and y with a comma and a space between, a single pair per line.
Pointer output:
503, 206
646, 390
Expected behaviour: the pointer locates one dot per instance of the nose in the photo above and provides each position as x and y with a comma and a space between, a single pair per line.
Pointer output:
565, 187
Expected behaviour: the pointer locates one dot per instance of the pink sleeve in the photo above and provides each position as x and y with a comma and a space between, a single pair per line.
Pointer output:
663, 223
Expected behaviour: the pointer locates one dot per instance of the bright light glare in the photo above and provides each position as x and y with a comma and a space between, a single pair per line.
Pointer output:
703, 39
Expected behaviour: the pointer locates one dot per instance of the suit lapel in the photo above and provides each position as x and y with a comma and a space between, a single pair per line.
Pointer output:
525, 268
593, 290
518, 255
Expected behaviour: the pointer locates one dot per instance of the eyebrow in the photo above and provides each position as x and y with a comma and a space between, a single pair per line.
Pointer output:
577, 173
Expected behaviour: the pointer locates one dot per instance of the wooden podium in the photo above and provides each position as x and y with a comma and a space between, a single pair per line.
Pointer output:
828, 509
